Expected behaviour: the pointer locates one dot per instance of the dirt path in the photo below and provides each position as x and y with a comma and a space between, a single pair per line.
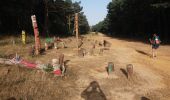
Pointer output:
151, 78
87, 79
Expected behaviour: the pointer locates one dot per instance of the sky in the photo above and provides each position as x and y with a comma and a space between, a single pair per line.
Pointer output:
95, 10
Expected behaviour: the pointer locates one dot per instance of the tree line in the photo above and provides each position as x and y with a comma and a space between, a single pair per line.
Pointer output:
136, 19
53, 16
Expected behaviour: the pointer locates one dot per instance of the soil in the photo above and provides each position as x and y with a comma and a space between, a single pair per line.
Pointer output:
86, 77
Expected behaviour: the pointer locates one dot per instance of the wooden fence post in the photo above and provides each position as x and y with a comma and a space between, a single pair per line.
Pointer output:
77, 29
36, 34
129, 69
23, 37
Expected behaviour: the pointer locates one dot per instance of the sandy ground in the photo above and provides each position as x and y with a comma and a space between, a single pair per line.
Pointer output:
86, 78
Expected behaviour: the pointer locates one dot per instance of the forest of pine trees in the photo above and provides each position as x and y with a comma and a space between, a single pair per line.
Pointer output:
136, 19
53, 16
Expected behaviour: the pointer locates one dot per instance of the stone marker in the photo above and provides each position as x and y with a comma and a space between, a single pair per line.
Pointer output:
129, 69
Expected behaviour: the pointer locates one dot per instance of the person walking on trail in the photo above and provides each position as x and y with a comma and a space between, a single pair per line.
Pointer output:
155, 42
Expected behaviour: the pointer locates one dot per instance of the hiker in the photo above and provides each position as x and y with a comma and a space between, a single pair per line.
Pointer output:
155, 42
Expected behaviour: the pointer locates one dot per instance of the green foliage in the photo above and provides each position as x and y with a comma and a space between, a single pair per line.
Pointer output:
83, 24
101, 26
48, 68
52, 16
98, 27
136, 18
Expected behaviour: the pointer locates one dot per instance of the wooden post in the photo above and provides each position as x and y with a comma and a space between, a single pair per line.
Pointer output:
110, 67
46, 46
61, 59
82, 52
77, 29
36, 33
23, 37
13, 42
129, 69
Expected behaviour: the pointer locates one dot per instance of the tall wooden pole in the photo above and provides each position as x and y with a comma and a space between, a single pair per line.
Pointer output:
36, 34
77, 28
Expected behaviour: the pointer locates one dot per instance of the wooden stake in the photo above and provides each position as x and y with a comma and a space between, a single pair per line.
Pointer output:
129, 69
46, 46
110, 67
77, 28
36, 33
23, 37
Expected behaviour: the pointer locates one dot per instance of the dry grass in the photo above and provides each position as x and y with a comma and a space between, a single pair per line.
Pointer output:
32, 84
28, 84
12, 45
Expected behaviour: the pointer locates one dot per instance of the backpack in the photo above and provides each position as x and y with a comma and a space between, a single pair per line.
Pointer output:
157, 41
